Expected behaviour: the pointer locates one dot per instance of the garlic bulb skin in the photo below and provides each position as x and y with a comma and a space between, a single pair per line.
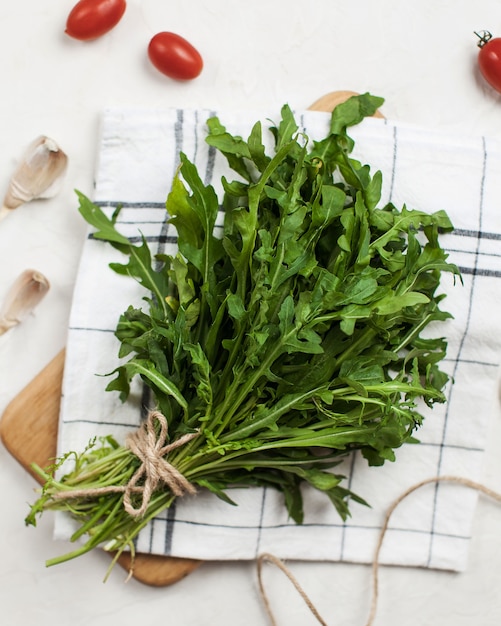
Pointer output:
38, 175
25, 294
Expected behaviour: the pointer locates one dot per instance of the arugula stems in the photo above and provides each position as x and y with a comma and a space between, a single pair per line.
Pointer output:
291, 341
240, 387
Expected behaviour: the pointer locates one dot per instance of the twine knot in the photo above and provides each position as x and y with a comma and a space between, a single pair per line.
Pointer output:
151, 450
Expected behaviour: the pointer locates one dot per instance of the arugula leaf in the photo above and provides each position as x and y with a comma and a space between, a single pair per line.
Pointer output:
292, 340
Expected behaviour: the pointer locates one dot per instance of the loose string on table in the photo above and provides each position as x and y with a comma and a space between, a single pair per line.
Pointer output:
267, 557
151, 449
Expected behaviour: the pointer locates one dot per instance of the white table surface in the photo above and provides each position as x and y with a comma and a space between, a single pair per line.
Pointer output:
421, 58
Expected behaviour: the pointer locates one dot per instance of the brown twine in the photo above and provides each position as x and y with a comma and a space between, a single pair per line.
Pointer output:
375, 563
151, 450
276, 561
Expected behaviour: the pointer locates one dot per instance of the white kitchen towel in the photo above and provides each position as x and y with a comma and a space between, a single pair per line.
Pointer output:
428, 170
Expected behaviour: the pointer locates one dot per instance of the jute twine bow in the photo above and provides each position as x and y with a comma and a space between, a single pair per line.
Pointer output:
375, 563
154, 470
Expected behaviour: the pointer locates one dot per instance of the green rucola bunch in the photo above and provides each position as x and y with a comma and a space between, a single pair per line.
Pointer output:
276, 349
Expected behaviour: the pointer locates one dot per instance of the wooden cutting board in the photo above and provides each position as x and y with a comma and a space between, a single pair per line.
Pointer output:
29, 427
28, 430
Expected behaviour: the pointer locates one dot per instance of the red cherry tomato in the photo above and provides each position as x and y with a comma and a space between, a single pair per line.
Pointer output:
489, 59
175, 57
90, 19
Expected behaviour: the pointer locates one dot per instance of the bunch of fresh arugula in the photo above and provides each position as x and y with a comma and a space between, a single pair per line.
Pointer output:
291, 340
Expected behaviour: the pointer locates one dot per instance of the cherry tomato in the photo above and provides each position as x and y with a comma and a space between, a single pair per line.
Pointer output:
90, 19
489, 58
175, 57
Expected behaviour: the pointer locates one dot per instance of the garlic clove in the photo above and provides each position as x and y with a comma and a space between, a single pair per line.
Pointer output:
23, 296
38, 175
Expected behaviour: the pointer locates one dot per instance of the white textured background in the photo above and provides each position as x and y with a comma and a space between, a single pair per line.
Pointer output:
420, 57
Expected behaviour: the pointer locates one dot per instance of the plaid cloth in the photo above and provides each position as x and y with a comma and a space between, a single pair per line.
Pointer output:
425, 169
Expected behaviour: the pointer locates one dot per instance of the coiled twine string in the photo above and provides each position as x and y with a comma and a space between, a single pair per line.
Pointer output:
266, 557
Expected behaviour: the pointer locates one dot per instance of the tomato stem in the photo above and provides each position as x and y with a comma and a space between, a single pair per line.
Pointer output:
484, 36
